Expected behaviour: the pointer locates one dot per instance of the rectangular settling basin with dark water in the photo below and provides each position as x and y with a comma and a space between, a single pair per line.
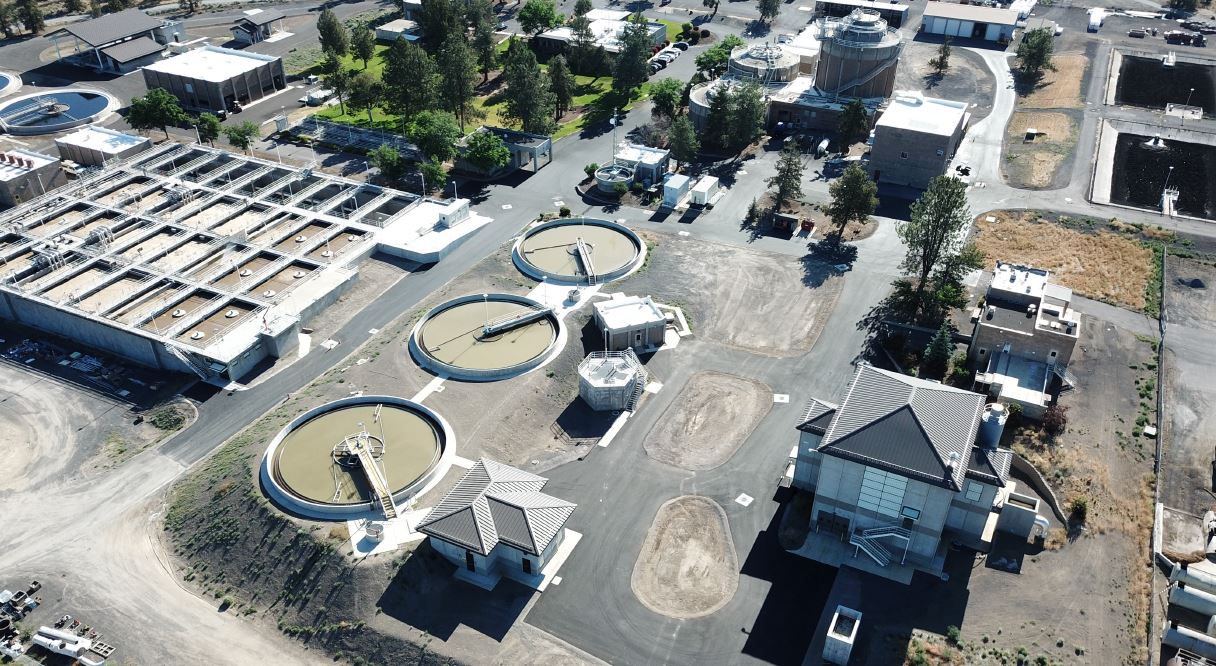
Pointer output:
1146, 82
1140, 172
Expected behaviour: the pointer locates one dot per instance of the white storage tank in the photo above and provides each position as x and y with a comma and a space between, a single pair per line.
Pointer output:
992, 425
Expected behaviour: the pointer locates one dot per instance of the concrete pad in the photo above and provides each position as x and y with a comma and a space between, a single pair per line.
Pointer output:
781, 398
462, 462
616, 427
434, 386
486, 582
397, 532
549, 573
744, 499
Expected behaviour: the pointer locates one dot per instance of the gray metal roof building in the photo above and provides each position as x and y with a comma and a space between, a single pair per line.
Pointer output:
494, 503
909, 426
111, 28
118, 42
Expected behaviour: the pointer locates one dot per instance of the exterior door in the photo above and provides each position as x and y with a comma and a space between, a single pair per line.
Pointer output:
527, 566
469, 562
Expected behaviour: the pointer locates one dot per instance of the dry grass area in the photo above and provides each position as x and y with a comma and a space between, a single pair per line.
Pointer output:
1034, 164
1060, 89
1100, 265
1051, 125
927, 649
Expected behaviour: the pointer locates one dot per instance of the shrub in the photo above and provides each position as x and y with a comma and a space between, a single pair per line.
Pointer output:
168, 418
564, 211
704, 33
1015, 411
1055, 419
636, 187
694, 38
620, 188
953, 635
1078, 509
590, 169
687, 29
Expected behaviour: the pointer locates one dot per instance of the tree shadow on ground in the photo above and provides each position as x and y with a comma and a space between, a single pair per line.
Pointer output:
757, 28
932, 80
815, 272
424, 595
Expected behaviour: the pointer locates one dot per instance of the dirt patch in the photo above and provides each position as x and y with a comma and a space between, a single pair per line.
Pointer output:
1035, 164
766, 303
1191, 303
687, 567
1099, 264
968, 79
1059, 89
710, 419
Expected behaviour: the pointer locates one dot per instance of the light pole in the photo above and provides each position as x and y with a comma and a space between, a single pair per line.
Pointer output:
1188, 96
1165, 192
455, 195
199, 136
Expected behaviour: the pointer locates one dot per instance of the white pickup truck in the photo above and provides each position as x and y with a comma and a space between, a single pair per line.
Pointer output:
316, 97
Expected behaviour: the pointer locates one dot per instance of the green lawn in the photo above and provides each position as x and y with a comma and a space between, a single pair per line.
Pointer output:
594, 94
673, 29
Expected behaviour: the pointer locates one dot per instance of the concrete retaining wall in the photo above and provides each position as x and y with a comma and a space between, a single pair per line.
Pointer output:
1036, 481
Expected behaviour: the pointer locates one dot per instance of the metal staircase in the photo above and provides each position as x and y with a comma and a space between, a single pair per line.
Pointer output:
1067, 379
363, 449
639, 381
200, 368
867, 542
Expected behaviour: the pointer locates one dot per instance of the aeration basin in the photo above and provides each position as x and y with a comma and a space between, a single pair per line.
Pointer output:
579, 250
54, 111
312, 468
486, 337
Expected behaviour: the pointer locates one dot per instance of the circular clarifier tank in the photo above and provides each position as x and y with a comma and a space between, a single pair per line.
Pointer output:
54, 111
579, 250
485, 337
316, 465
9, 83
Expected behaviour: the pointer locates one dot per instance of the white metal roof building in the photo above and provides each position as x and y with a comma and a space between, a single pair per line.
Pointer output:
630, 322
991, 24
212, 78
915, 138
93, 146
25, 174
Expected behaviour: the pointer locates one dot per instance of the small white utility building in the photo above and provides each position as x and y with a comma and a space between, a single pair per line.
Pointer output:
706, 191
399, 29
94, 146
991, 24
630, 322
675, 188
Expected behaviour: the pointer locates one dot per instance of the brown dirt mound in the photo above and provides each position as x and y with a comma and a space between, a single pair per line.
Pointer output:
710, 419
687, 567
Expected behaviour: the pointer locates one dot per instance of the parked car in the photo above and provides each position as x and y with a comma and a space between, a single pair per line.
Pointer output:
1139, 33
683, 46
674, 53
658, 64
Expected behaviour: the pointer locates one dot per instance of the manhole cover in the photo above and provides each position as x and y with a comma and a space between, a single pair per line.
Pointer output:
744, 499
781, 397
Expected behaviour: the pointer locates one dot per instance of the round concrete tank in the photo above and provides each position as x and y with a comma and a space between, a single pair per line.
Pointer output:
607, 177
578, 251
992, 425
766, 63
699, 100
858, 56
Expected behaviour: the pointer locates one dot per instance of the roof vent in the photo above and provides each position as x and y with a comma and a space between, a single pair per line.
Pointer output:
954, 460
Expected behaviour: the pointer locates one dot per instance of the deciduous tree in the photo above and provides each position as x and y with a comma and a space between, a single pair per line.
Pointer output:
73, 6
538, 16
712, 4
854, 198
241, 136
365, 92
388, 161
338, 80
486, 151
439, 20
713, 60
666, 96
209, 128
156, 109
581, 7
435, 133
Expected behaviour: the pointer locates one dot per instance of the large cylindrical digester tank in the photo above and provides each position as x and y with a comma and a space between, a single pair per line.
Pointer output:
858, 57
766, 63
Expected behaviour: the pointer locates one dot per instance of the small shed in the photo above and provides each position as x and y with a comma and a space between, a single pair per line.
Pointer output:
705, 191
675, 188
630, 321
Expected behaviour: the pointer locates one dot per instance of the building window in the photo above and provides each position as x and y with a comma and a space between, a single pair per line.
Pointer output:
881, 492
189, 87
903, 155
974, 490
910, 513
